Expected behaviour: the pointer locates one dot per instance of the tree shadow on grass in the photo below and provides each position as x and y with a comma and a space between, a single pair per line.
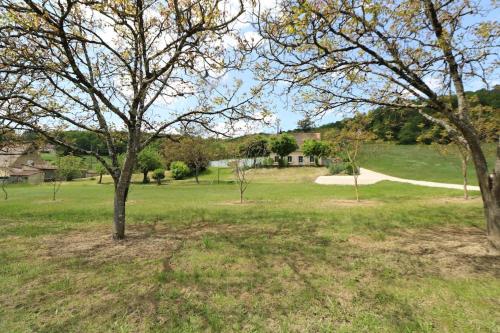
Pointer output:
173, 289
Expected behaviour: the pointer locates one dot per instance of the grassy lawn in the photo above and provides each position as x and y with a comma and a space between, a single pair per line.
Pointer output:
88, 160
295, 257
421, 162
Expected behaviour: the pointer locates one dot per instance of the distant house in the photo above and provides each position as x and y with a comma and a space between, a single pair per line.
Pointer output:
297, 158
23, 164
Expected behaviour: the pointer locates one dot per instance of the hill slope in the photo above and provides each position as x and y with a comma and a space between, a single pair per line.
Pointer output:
421, 162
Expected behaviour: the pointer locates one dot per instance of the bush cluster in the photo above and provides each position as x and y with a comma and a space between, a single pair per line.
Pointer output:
179, 170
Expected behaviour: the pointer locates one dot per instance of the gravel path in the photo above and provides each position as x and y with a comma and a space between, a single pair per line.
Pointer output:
368, 177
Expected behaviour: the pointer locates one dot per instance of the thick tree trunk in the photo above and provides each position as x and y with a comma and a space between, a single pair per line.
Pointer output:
488, 183
122, 182
492, 209
490, 190
145, 177
119, 213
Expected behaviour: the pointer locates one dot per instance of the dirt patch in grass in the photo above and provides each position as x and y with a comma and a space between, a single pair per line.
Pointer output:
349, 203
449, 251
288, 175
451, 200
44, 202
154, 241
244, 203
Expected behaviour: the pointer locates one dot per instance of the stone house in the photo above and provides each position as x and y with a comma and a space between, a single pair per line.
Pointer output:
297, 158
23, 164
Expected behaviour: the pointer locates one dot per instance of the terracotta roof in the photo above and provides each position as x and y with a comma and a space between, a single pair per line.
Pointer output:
24, 172
45, 166
15, 149
9, 154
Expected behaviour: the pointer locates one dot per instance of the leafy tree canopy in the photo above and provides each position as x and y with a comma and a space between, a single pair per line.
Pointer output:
283, 144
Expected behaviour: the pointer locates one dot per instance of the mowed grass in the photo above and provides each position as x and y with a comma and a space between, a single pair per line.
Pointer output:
420, 162
295, 257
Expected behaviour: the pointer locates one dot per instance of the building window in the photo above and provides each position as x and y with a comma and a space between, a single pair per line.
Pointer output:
311, 159
301, 159
289, 159
276, 158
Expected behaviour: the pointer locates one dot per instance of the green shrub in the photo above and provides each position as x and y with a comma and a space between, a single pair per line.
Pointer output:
158, 175
179, 170
342, 168
70, 167
267, 162
336, 168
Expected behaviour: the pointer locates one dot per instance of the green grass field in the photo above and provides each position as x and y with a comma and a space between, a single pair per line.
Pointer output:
420, 162
295, 257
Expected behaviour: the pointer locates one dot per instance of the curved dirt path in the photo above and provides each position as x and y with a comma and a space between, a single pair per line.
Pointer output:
368, 177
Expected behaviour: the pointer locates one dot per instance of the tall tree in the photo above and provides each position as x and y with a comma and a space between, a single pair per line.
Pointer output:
148, 160
399, 54
347, 144
282, 145
316, 149
305, 124
117, 65
192, 150
256, 146
101, 170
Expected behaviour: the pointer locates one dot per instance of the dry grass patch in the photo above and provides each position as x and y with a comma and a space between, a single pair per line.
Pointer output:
450, 200
348, 203
244, 203
287, 175
450, 251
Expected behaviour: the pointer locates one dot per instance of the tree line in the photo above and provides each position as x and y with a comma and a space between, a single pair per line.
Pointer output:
408, 126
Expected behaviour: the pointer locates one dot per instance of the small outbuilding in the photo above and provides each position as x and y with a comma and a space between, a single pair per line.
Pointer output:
23, 164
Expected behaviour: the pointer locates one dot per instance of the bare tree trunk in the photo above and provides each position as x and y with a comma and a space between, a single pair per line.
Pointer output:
356, 185
145, 177
100, 179
119, 213
490, 190
122, 182
464, 175
6, 195
494, 206
196, 174
55, 189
